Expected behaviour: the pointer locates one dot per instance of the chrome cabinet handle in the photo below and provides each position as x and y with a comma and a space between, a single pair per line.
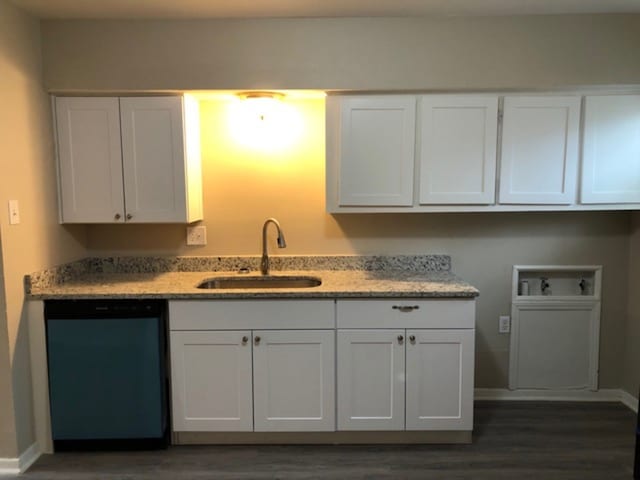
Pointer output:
129, 216
257, 340
117, 216
406, 308
245, 339
412, 338
400, 338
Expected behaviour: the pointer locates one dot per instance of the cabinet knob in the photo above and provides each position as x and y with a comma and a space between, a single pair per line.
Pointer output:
412, 338
117, 216
129, 216
406, 308
257, 340
400, 338
245, 339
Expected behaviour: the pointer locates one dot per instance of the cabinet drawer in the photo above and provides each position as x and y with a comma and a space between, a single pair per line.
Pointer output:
406, 313
251, 314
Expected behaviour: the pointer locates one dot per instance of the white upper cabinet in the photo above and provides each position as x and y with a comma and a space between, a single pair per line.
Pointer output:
130, 159
458, 136
90, 159
371, 142
482, 152
611, 150
156, 162
539, 158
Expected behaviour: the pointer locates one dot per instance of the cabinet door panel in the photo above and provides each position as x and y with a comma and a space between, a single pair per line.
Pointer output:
90, 160
294, 375
370, 380
539, 150
211, 381
611, 153
154, 158
554, 346
458, 149
440, 380
376, 154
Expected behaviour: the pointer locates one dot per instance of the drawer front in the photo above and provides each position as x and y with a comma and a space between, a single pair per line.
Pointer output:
251, 314
406, 313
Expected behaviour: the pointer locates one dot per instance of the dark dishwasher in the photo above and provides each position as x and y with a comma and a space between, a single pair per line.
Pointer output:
107, 374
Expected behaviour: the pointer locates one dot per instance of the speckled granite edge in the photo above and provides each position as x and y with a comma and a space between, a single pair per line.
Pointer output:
64, 273
56, 275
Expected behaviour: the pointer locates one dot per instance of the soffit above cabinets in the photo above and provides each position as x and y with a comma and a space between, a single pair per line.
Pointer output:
199, 9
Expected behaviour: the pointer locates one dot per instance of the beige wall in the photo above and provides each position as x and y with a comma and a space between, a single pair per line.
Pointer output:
365, 53
536, 52
28, 175
243, 186
632, 359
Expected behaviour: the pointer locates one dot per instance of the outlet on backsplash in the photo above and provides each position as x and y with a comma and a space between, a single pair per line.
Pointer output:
197, 235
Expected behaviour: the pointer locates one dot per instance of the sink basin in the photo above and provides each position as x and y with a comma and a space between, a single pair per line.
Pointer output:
267, 281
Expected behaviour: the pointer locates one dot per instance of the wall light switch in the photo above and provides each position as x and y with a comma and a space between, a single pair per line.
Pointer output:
197, 235
505, 324
14, 212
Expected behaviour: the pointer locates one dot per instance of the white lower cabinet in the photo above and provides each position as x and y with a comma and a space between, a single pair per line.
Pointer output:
405, 378
211, 381
284, 383
293, 380
267, 377
371, 379
439, 379
397, 364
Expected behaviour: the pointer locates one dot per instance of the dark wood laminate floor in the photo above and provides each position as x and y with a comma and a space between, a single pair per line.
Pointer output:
512, 440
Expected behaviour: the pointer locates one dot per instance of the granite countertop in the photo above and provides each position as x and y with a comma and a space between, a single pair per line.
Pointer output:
426, 276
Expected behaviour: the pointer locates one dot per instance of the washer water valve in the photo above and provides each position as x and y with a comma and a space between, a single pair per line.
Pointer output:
544, 286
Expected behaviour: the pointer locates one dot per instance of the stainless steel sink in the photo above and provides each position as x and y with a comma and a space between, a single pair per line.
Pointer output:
263, 281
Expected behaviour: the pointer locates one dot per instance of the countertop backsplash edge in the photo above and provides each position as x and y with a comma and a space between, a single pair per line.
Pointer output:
160, 264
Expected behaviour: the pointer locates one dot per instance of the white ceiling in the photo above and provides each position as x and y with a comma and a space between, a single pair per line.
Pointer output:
164, 9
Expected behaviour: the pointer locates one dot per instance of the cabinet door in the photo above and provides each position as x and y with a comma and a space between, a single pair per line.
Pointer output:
554, 346
211, 381
153, 154
89, 160
611, 151
376, 152
439, 379
294, 375
458, 136
371, 379
539, 150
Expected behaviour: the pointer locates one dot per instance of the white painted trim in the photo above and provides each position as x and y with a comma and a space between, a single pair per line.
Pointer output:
9, 466
629, 400
15, 466
603, 395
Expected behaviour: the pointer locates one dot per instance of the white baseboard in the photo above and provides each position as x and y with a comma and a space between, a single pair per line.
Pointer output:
629, 400
15, 466
603, 395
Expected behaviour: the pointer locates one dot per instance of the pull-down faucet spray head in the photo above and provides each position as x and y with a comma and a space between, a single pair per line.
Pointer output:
264, 263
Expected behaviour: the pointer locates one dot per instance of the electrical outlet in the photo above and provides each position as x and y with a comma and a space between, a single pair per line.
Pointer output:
197, 235
504, 325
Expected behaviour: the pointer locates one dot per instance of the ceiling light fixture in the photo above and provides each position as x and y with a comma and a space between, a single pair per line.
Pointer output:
264, 120
261, 95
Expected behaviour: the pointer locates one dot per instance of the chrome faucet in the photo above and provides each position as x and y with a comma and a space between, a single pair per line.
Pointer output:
264, 263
